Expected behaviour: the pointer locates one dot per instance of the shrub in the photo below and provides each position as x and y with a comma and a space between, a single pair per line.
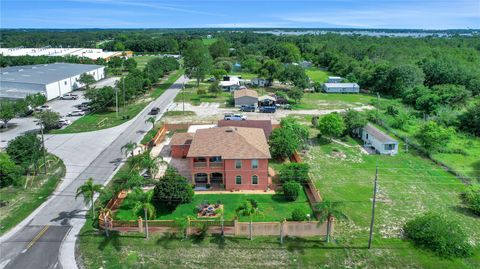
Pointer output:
172, 189
10, 172
201, 92
283, 143
471, 198
291, 190
443, 236
299, 214
294, 171
331, 125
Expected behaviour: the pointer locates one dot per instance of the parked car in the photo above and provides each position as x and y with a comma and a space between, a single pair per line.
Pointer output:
286, 107
231, 116
69, 96
27, 112
64, 122
212, 79
76, 113
82, 104
267, 109
247, 108
43, 108
154, 111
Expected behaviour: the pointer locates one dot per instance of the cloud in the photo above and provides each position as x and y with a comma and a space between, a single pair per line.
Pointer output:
248, 25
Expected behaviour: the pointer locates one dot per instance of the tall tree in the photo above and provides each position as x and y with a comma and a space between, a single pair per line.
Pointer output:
197, 60
331, 125
86, 79
271, 69
152, 120
248, 208
128, 148
329, 210
7, 111
88, 191
143, 202
219, 48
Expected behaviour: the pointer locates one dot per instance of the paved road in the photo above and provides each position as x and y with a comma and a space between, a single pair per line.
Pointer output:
34, 246
63, 107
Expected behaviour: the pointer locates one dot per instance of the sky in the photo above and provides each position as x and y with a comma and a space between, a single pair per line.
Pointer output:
389, 14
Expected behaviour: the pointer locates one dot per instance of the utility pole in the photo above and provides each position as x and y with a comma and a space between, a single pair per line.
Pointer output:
116, 100
373, 207
183, 97
43, 147
146, 223
123, 84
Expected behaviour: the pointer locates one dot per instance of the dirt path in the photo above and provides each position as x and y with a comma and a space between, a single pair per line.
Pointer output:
211, 112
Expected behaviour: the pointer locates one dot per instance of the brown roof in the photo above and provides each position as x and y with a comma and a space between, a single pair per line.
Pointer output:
378, 134
230, 143
181, 139
266, 125
245, 92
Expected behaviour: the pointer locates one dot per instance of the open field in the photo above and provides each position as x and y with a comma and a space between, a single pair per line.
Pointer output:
272, 207
318, 75
190, 95
320, 100
209, 41
409, 185
142, 60
20, 201
108, 119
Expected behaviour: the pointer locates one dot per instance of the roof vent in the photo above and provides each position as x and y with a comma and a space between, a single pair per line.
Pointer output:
229, 130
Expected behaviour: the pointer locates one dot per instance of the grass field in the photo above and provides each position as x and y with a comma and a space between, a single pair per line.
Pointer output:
409, 185
319, 100
108, 119
272, 207
209, 41
317, 74
190, 95
142, 60
23, 201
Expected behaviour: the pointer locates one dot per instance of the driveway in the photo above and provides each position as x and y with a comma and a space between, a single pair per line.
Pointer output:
97, 155
63, 107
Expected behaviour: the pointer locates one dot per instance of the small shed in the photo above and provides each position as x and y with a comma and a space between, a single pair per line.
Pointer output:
380, 141
180, 144
245, 97
334, 80
341, 88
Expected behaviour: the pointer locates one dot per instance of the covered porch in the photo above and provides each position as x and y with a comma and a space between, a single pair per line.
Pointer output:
209, 181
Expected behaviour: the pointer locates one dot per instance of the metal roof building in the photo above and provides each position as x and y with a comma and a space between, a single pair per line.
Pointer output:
341, 88
52, 80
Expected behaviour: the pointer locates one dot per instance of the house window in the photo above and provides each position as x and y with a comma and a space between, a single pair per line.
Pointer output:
389, 146
65, 83
254, 180
238, 164
216, 159
254, 164
238, 180
366, 136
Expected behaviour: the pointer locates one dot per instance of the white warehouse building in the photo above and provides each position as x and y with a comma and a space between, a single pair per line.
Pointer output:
51, 80
341, 88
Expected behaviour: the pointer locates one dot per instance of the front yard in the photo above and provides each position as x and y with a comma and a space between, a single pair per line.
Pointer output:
408, 185
191, 95
272, 207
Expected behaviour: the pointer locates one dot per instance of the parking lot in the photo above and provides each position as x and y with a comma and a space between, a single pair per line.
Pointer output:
18, 126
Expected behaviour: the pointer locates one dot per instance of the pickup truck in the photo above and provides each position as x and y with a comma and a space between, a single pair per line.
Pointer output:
267, 109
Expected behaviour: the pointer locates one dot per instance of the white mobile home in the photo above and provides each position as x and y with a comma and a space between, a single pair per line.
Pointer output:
341, 88
230, 83
380, 141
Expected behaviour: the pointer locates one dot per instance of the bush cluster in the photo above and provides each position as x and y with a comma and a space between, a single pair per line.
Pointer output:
291, 190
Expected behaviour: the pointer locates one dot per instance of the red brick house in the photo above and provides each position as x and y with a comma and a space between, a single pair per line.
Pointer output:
265, 125
230, 158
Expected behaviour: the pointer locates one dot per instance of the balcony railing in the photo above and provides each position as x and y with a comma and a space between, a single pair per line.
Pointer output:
199, 164
216, 164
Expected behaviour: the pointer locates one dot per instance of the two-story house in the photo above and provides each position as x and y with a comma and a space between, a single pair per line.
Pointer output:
230, 158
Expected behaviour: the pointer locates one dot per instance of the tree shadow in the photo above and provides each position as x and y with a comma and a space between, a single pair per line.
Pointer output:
64, 217
476, 170
112, 239
166, 239
465, 211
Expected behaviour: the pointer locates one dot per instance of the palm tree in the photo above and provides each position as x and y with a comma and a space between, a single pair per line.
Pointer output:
143, 200
105, 211
152, 121
329, 210
88, 190
151, 164
249, 208
128, 148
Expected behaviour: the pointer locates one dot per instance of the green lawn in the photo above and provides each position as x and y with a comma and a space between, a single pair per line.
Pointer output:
273, 207
190, 95
320, 100
142, 60
409, 185
108, 119
317, 74
209, 41
23, 201
244, 75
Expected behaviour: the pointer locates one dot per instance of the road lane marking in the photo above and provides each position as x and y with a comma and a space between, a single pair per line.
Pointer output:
35, 239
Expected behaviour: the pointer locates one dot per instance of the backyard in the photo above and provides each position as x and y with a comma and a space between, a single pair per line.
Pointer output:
108, 119
190, 95
272, 207
317, 75
408, 185
142, 60
20, 201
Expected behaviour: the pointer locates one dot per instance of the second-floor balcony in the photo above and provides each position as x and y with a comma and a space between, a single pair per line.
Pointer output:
199, 164
216, 164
